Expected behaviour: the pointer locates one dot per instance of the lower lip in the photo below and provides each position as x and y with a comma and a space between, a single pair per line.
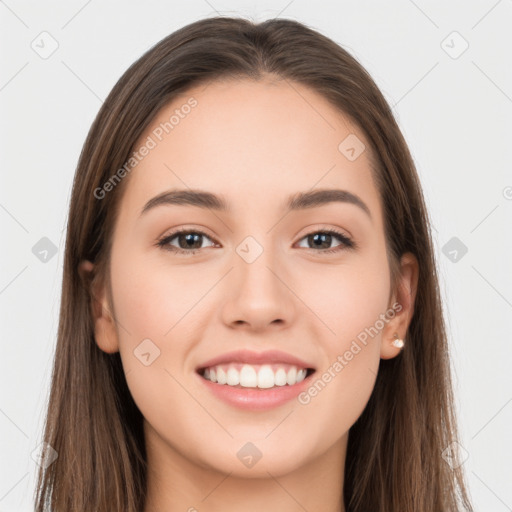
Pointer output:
255, 398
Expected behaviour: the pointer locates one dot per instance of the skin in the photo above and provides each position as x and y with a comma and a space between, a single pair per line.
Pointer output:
254, 143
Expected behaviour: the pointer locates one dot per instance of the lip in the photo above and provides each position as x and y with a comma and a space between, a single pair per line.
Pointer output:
256, 399
251, 357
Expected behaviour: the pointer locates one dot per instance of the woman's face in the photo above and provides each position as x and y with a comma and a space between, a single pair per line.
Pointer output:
311, 281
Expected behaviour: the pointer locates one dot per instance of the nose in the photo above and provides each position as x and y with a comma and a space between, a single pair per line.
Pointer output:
257, 295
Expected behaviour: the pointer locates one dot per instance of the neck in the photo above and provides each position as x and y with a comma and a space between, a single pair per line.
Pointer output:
175, 483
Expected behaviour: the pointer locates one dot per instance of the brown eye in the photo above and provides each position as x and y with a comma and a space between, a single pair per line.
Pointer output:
323, 239
188, 241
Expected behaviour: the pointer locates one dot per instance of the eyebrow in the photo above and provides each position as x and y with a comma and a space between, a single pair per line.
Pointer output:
298, 201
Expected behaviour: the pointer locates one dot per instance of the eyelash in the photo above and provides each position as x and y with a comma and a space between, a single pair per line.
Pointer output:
163, 243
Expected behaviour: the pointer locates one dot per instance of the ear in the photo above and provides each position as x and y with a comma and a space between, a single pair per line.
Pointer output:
105, 333
404, 296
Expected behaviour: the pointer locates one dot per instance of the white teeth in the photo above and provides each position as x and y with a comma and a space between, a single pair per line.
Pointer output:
258, 376
291, 376
265, 377
221, 376
248, 377
301, 375
280, 377
233, 377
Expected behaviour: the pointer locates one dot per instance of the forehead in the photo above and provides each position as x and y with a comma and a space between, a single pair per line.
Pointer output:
250, 141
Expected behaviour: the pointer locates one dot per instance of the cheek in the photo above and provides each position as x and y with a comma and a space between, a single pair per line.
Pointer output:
152, 299
341, 389
338, 396
350, 302
151, 303
347, 299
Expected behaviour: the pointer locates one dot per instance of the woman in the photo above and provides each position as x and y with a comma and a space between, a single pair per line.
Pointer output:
250, 315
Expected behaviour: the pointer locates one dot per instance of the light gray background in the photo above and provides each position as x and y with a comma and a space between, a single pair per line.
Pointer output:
455, 112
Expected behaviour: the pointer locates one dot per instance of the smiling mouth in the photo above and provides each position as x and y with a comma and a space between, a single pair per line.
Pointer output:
255, 376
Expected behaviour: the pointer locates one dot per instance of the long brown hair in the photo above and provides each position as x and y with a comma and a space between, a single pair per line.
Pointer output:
396, 449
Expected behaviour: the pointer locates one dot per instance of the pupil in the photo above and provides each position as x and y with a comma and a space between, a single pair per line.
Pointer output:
189, 239
318, 242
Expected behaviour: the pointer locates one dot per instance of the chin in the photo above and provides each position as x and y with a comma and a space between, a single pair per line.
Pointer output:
256, 459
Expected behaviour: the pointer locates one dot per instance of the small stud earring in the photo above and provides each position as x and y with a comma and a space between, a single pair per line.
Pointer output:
397, 342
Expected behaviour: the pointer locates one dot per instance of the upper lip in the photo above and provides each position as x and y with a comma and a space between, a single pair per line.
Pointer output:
251, 357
